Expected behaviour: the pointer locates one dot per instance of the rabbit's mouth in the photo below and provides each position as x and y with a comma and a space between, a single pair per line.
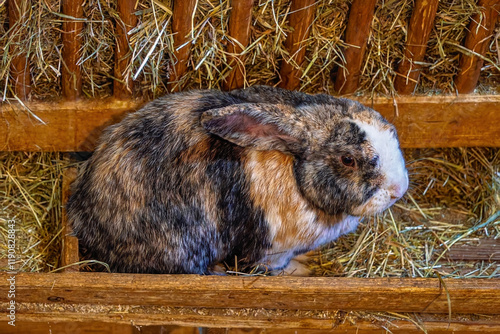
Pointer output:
383, 198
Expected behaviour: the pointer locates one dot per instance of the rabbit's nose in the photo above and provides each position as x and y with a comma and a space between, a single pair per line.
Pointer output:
398, 190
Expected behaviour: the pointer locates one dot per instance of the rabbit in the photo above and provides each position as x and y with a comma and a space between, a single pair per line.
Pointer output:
261, 175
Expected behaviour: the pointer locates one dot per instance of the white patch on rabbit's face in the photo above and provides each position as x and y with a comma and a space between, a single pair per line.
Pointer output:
391, 165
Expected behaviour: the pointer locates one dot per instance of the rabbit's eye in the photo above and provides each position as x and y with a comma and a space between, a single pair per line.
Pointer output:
348, 161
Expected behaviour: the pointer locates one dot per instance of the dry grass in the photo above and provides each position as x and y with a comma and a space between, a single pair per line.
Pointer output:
454, 199
385, 47
38, 36
30, 192
97, 55
489, 82
152, 47
152, 44
443, 51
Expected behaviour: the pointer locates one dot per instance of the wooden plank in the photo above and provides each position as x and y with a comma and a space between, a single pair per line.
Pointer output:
438, 121
19, 68
484, 250
72, 29
356, 37
69, 250
478, 38
419, 31
273, 293
182, 20
162, 323
122, 85
239, 32
45, 327
301, 18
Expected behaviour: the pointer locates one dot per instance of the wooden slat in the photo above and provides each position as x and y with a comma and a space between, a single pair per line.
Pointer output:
239, 32
72, 29
122, 85
182, 19
421, 24
156, 322
439, 121
478, 38
69, 251
356, 37
485, 250
19, 69
301, 18
274, 293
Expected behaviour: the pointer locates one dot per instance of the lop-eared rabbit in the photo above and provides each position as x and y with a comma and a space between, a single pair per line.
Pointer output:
261, 174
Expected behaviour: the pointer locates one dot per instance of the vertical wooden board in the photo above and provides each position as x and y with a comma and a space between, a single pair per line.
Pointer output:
239, 32
182, 20
69, 252
356, 37
122, 85
419, 31
479, 34
19, 69
301, 18
72, 29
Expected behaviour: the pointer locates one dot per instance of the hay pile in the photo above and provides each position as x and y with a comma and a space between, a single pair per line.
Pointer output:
30, 193
152, 47
454, 199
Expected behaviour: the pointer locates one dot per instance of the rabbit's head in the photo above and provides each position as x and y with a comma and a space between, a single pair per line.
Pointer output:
346, 156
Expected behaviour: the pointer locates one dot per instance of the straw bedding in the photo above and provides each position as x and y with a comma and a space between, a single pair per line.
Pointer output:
30, 194
454, 199
152, 47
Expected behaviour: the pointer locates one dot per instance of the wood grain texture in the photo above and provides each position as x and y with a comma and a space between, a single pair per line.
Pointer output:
122, 85
356, 37
182, 20
63, 322
480, 32
300, 19
275, 293
72, 43
484, 250
419, 31
239, 32
439, 121
69, 250
19, 68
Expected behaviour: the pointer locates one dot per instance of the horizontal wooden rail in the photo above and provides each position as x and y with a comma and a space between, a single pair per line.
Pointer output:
42, 319
259, 298
440, 121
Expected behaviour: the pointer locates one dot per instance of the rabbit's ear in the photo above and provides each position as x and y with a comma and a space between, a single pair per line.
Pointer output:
253, 125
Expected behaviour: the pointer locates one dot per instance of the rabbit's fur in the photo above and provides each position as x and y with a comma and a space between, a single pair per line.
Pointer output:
259, 174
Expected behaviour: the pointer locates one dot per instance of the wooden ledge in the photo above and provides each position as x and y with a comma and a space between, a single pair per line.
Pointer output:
437, 121
290, 293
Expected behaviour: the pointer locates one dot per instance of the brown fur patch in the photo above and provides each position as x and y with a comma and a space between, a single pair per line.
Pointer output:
294, 224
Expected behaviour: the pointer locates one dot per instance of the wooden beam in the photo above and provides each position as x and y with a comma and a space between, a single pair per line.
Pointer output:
356, 37
122, 85
301, 18
69, 250
182, 20
19, 68
154, 320
419, 31
72, 29
239, 32
478, 38
274, 293
437, 121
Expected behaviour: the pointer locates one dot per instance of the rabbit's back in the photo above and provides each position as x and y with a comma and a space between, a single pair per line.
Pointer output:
161, 195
